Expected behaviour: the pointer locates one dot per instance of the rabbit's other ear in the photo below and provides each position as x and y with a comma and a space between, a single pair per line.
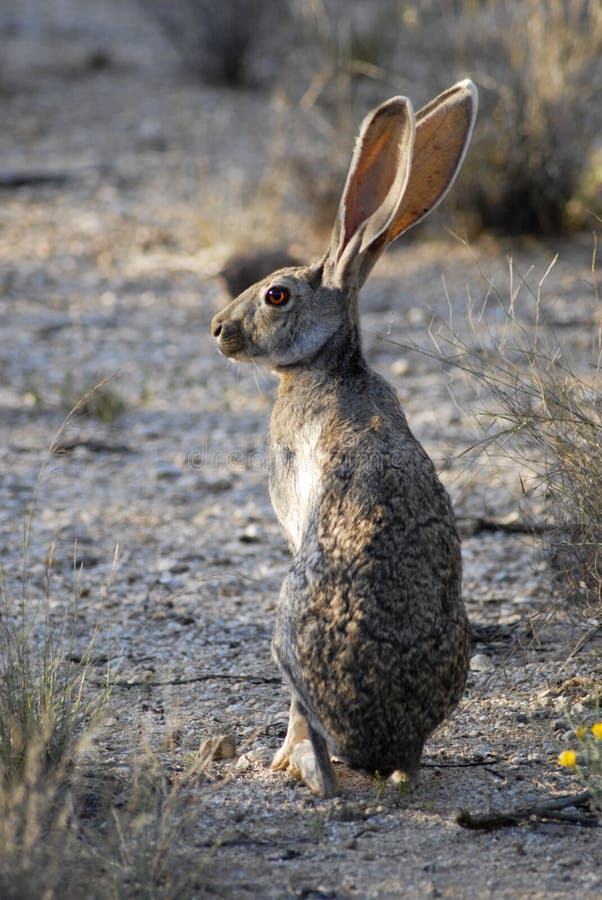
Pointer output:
376, 181
443, 130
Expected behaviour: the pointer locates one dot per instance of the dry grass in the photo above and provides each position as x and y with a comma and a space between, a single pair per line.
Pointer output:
143, 834
48, 712
66, 821
538, 407
45, 703
37, 834
130, 833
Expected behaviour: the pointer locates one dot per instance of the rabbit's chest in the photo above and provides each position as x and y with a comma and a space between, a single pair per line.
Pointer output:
295, 480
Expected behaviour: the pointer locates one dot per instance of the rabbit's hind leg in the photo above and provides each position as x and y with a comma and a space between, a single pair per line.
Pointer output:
305, 755
312, 760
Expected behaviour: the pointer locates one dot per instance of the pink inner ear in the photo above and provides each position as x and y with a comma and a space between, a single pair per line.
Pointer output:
373, 179
443, 130
375, 182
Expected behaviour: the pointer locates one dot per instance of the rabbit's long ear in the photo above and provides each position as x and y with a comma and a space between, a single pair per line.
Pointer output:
401, 169
376, 181
443, 130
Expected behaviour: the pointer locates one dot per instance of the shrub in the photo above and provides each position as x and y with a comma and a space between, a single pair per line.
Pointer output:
538, 64
217, 42
546, 114
543, 412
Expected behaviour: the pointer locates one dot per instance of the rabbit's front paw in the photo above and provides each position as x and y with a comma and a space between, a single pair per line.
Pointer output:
297, 731
282, 758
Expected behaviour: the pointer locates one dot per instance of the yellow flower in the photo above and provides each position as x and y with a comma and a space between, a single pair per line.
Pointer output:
580, 731
568, 759
597, 730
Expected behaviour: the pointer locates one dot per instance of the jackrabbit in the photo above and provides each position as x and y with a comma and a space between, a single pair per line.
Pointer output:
371, 632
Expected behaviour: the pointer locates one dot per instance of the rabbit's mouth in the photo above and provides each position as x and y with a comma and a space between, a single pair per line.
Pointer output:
234, 351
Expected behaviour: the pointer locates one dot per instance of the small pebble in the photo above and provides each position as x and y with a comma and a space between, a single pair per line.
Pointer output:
480, 662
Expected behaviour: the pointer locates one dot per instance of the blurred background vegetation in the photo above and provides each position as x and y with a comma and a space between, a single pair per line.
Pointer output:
535, 164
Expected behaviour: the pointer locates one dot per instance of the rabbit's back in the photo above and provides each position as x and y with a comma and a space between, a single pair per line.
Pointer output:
371, 627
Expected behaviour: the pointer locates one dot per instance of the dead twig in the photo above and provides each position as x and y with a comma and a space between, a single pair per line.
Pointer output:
545, 810
209, 676
474, 525
464, 764
93, 445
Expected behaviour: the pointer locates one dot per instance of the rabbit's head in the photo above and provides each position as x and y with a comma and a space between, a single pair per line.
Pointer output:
283, 320
402, 167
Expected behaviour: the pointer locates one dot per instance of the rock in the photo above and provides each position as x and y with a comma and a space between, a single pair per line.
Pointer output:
250, 535
480, 662
258, 756
261, 754
220, 746
243, 763
400, 367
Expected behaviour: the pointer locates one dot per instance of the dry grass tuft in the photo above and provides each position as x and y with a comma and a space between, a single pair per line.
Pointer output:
544, 412
37, 832
48, 712
44, 704
131, 832
68, 821
152, 848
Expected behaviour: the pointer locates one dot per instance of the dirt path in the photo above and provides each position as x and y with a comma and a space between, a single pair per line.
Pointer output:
105, 273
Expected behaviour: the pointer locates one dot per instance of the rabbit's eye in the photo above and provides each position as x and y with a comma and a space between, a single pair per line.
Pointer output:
277, 295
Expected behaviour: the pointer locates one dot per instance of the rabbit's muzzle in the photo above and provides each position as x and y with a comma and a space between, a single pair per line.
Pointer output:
229, 336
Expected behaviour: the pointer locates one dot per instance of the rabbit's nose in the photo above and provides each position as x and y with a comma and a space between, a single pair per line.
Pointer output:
216, 328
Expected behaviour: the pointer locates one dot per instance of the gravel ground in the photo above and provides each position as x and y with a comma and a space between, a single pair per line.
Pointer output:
159, 493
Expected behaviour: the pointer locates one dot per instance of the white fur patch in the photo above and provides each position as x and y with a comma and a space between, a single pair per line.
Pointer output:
297, 484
